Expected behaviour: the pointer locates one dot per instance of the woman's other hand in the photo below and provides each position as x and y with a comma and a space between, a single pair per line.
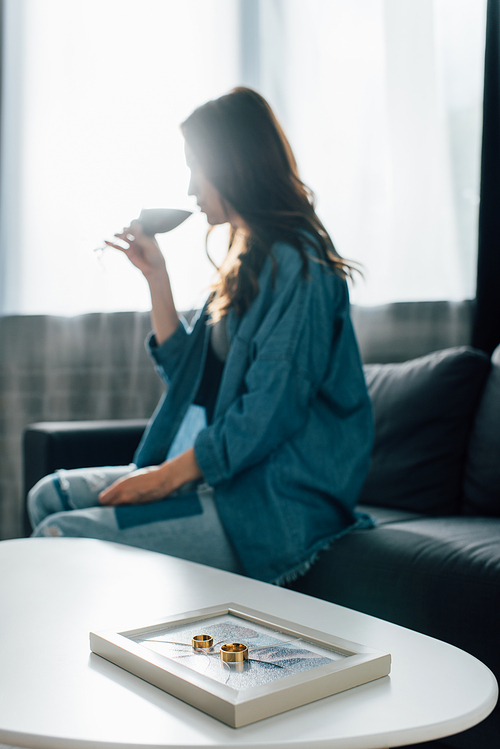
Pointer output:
143, 485
141, 249
152, 483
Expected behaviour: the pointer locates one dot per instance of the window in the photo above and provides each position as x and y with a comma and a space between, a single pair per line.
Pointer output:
384, 104
94, 97
381, 100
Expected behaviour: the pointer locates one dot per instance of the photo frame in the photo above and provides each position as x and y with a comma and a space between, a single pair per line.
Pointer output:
240, 665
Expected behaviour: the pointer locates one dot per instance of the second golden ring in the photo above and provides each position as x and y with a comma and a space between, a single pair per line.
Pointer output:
234, 652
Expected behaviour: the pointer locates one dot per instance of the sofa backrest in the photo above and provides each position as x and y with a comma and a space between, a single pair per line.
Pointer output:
482, 468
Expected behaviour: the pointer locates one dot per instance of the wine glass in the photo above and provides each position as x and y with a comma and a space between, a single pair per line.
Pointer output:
155, 221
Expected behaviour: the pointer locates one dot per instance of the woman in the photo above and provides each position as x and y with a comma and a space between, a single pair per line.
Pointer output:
256, 454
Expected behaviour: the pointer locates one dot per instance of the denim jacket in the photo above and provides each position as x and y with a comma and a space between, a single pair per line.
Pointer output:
289, 446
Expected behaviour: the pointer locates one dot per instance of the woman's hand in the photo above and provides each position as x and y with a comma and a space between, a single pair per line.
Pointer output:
143, 485
152, 483
141, 249
143, 252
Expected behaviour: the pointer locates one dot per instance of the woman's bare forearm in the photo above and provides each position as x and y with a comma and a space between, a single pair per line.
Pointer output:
143, 252
164, 316
181, 469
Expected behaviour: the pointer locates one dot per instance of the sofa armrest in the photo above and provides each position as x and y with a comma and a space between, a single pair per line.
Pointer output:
48, 446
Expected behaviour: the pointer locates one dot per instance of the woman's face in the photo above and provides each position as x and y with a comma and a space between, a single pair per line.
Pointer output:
207, 196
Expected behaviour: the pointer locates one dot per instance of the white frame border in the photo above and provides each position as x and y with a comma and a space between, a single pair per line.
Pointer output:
228, 705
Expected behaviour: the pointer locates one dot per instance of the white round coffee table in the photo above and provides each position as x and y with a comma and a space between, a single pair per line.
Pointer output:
57, 694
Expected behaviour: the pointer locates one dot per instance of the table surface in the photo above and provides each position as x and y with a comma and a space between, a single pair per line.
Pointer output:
56, 693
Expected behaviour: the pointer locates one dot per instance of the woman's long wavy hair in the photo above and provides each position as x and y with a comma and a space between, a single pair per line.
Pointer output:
242, 150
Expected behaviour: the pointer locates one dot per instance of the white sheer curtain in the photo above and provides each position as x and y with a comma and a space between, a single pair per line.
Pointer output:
383, 104
381, 99
94, 94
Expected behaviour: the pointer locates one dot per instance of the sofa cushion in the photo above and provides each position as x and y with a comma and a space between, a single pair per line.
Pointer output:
439, 576
423, 413
482, 468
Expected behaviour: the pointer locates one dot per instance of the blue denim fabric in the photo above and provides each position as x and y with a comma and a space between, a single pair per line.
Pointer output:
289, 446
183, 506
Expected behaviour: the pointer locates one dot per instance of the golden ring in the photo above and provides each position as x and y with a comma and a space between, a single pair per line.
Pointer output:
234, 652
202, 641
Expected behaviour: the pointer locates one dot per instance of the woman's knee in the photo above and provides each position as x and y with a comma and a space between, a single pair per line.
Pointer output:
55, 525
73, 489
93, 522
45, 498
47, 527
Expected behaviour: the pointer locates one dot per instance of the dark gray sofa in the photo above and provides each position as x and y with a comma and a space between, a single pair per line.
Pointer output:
432, 563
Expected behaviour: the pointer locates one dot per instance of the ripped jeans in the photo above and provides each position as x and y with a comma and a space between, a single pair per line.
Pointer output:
186, 524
